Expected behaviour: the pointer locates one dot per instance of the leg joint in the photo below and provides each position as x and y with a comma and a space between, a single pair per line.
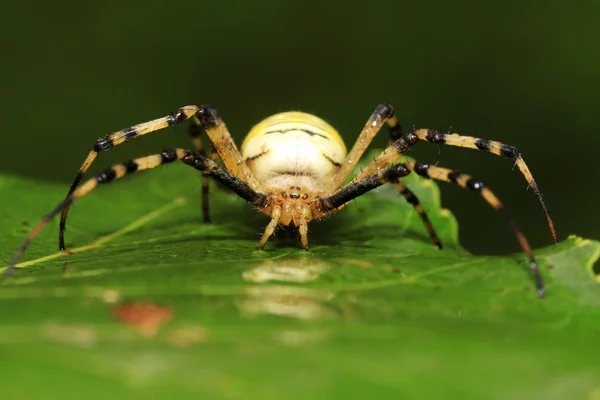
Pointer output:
475, 184
385, 110
168, 156
510, 151
208, 116
103, 144
197, 161
436, 137
176, 117
422, 169
405, 142
395, 172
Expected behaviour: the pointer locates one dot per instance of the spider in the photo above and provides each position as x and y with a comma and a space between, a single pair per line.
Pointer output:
292, 167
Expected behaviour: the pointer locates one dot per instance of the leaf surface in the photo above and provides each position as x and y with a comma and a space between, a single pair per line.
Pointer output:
372, 309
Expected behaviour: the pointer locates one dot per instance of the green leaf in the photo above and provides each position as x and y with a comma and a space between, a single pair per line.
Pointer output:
373, 309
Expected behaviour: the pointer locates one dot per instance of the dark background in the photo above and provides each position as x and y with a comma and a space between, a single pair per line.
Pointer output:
526, 74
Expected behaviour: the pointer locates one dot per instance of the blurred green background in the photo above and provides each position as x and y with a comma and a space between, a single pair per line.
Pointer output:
525, 73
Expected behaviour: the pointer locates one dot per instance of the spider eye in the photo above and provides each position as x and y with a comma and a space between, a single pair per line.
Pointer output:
283, 194
305, 196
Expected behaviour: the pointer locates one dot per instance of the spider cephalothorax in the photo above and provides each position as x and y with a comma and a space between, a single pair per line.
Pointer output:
292, 167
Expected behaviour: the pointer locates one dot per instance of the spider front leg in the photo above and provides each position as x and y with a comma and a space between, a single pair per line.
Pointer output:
409, 139
383, 114
494, 147
118, 171
210, 121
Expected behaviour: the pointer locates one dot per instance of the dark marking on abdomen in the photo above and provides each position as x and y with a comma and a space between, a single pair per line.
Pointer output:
311, 133
256, 156
335, 163
295, 173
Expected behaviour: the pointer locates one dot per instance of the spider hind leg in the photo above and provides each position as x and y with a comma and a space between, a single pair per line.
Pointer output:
468, 182
413, 200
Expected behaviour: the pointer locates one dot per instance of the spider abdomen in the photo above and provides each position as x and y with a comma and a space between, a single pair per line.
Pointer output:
293, 143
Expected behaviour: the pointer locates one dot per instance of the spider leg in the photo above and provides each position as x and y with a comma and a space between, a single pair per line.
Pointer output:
412, 199
118, 171
494, 147
384, 113
303, 228
409, 139
195, 132
468, 182
210, 121
392, 173
357, 187
276, 213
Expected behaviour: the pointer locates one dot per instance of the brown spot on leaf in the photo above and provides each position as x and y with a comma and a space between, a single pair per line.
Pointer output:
146, 317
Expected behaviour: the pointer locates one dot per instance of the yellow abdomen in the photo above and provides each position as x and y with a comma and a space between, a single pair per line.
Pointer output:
293, 143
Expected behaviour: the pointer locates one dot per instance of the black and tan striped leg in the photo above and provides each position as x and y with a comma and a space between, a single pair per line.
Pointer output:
409, 139
210, 121
466, 181
494, 147
384, 113
402, 142
392, 173
118, 171
355, 188
412, 199
195, 133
